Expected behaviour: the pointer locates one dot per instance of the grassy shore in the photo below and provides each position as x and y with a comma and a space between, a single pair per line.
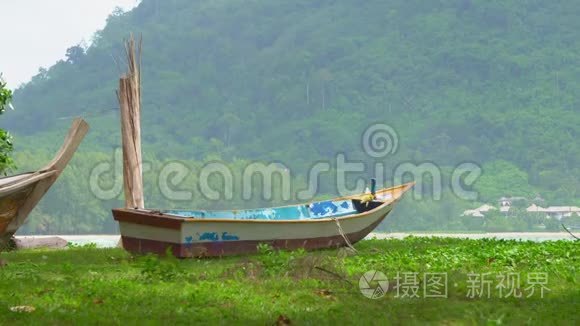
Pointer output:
86, 285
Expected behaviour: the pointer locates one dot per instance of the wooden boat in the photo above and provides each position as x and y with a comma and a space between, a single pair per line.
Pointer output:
193, 233
19, 194
323, 224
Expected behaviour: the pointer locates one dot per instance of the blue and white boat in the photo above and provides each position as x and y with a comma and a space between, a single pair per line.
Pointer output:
194, 233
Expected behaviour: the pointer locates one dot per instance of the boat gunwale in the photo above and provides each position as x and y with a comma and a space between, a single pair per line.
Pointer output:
33, 178
406, 187
175, 218
180, 220
17, 176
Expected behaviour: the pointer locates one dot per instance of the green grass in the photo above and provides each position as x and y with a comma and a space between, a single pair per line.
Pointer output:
86, 285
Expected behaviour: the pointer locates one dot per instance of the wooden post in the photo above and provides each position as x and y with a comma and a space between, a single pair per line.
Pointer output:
129, 95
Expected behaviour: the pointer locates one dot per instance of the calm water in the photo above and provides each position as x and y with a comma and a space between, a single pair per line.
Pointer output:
108, 241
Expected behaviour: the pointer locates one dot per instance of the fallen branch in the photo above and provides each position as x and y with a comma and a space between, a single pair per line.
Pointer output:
565, 228
333, 274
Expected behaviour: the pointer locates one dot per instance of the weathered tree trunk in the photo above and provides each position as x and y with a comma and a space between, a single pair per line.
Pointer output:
129, 95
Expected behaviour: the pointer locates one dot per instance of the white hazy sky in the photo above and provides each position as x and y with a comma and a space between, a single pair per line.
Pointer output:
36, 33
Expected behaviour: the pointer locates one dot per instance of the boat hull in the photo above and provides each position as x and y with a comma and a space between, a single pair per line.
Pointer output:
151, 232
10, 204
19, 194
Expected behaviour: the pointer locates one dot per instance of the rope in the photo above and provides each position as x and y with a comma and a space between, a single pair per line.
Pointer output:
341, 231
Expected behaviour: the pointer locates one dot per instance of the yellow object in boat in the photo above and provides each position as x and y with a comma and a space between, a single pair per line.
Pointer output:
366, 198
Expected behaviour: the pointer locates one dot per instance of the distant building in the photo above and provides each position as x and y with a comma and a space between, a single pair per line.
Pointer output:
557, 212
486, 208
472, 212
478, 212
505, 204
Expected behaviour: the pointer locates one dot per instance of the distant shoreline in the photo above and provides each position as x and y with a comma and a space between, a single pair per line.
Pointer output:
110, 240
533, 236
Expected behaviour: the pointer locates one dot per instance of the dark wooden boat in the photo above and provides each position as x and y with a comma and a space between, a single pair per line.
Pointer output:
19, 194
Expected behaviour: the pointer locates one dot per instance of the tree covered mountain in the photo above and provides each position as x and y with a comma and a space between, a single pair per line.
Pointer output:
489, 82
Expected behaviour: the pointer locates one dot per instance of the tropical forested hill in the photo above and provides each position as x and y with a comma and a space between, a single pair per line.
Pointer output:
490, 82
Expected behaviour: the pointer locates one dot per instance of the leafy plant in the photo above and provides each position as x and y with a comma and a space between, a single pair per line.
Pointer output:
155, 269
277, 262
6, 146
90, 245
